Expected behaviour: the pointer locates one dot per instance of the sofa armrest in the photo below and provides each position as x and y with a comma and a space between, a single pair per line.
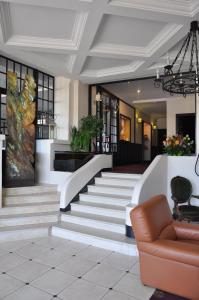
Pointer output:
173, 250
186, 231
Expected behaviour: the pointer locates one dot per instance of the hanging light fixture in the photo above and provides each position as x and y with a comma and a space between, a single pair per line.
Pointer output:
182, 80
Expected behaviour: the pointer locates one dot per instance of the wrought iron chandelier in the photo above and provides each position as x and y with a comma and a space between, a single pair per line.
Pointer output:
178, 78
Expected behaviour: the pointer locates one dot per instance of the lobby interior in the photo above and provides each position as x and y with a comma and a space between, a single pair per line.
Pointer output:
88, 117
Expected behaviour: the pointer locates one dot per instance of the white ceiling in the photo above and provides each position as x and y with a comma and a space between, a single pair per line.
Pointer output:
149, 100
95, 40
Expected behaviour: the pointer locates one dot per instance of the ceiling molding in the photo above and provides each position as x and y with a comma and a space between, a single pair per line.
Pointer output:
5, 20
40, 42
70, 63
164, 35
113, 71
86, 24
182, 8
78, 28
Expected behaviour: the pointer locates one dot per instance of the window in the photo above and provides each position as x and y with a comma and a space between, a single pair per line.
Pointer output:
44, 94
45, 104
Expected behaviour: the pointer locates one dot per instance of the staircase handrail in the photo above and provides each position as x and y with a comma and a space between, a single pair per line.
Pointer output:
77, 180
153, 181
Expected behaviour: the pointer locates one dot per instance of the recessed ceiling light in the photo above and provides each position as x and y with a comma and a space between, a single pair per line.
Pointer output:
138, 91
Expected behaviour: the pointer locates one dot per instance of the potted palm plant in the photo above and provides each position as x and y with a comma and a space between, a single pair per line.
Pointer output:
81, 141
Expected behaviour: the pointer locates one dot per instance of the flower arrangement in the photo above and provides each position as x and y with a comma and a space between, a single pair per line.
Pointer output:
178, 145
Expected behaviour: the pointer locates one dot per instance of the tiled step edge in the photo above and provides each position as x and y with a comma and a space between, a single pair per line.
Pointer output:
24, 232
93, 223
94, 240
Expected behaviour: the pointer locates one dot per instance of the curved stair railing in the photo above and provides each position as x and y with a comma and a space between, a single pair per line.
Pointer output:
77, 180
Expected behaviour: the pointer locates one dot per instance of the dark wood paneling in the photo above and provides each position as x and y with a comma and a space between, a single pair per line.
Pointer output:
128, 153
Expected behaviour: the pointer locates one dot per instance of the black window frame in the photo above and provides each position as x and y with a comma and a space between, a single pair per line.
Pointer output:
42, 129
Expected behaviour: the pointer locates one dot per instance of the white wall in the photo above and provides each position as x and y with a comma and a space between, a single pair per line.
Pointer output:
71, 104
175, 106
45, 173
162, 123
182, 166
62, 99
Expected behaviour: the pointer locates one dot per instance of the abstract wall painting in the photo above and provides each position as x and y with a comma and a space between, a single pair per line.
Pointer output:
20, 143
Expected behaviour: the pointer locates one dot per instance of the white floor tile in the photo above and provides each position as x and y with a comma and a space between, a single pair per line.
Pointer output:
14, 245
76, 246
28, 271
31, 251
112, 295
10, 261
53, 281
54, 257
130, 284
69, 270
104, 275
3, 252
136, 269
52, 241
94, 254
84, 290
121, 261
76, 266
8, 285
28, 293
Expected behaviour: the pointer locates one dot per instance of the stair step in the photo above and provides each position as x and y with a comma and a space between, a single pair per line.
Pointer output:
31, 208
98, 209
94, 221
21, 232
105, 199
105, 189
39, 218
29, 190
115, 181
120, 175
32, 198
96, 237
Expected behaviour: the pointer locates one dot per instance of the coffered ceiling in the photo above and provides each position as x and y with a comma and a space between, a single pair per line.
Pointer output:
95, 40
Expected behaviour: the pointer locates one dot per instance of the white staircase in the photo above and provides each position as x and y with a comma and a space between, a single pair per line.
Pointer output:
28, 211
98, 218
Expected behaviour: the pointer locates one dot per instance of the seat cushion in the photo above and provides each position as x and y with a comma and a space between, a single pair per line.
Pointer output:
189, 208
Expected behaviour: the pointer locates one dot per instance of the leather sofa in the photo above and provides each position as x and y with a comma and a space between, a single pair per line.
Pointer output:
168, 250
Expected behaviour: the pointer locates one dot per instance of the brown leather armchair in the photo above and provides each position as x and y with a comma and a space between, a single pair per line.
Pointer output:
168, 250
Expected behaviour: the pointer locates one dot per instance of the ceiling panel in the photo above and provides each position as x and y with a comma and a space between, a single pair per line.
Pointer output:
99, 63
127, 31
128, 90
40, 21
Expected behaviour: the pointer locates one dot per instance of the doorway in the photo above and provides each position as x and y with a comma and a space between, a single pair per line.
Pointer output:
186, 124
146, 137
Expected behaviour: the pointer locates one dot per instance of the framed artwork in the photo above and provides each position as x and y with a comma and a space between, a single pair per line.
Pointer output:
125, 128
20, 142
